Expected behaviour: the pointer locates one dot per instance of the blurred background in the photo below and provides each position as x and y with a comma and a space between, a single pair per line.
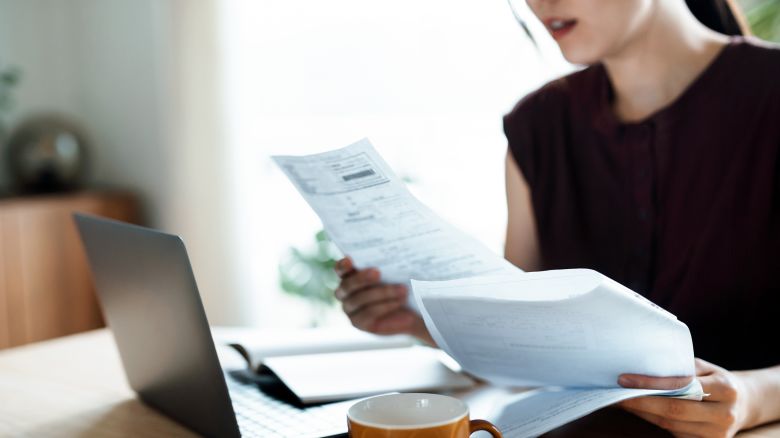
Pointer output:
165, 113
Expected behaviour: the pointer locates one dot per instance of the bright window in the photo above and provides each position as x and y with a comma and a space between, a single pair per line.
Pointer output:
426, 82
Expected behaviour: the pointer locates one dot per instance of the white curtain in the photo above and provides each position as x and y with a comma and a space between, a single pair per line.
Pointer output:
198, 206
427, 82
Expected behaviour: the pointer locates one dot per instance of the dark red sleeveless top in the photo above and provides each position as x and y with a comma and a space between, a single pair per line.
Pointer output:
683, 207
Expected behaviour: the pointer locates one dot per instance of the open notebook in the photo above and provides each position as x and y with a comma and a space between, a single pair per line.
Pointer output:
324, 365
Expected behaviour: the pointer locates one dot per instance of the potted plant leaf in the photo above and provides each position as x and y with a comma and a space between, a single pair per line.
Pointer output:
309, 274
763, 17
9, 78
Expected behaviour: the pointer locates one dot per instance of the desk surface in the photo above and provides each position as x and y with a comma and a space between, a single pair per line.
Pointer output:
75, 386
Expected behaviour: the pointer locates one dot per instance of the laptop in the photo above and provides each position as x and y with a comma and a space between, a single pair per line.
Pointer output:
146, 288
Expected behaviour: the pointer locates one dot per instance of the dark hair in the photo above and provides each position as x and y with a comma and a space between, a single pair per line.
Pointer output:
722, 16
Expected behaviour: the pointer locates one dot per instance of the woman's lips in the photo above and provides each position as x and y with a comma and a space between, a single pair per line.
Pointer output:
559, 27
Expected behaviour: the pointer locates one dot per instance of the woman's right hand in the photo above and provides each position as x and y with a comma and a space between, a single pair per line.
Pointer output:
374, 306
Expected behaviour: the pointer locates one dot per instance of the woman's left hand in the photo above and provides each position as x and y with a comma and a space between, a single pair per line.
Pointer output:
722, 414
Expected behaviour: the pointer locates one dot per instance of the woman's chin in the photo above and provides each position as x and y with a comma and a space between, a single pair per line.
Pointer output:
580, 55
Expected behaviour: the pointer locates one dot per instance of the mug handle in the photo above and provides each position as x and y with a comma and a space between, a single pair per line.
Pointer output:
475, 425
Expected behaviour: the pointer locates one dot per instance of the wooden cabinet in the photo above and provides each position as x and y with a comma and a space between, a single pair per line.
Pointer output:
45, 285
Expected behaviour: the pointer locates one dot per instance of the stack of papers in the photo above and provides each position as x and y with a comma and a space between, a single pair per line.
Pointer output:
572, 327
570, 332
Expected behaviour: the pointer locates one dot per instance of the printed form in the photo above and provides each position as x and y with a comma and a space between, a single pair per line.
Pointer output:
370, 215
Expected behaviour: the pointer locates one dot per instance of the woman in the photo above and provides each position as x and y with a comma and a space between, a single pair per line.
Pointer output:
657, 165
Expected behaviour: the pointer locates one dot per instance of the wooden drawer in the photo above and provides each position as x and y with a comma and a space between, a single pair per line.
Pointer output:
45, 286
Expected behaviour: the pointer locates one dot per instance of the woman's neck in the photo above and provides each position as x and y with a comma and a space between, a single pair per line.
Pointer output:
652, 71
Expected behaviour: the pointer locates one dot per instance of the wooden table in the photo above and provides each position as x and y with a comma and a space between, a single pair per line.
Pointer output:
75, 387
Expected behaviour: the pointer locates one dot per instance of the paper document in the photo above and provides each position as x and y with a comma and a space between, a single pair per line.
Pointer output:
574, 329
371, 216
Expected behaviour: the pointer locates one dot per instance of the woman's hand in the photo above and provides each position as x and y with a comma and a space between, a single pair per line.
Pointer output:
374, 306
722, 414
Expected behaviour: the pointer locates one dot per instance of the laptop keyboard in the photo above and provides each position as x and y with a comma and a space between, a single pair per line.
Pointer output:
260, 415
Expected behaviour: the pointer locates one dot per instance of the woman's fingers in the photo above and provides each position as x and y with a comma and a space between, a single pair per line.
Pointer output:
717, 415
368, 316
398, 321
720, 386
344, 267
704, 368
355, 301
647, 382
375, 307
357, 281
370, 305
674, 409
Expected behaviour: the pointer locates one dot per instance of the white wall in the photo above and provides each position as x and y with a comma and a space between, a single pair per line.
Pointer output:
98, 63
139, 76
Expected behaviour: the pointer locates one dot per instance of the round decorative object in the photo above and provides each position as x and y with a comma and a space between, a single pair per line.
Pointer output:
46, 154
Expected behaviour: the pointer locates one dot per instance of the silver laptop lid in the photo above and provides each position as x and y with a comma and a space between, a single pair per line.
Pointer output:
148, 294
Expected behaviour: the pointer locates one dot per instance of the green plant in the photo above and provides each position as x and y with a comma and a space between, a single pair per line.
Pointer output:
310, 274
763, 17
9, 78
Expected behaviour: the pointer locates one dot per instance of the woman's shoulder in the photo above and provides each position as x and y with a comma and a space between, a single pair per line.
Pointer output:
545, 113
757, 50
552, 102
756, 64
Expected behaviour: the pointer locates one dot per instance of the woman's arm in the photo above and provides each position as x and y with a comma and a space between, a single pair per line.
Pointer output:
522, 245
762, 388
